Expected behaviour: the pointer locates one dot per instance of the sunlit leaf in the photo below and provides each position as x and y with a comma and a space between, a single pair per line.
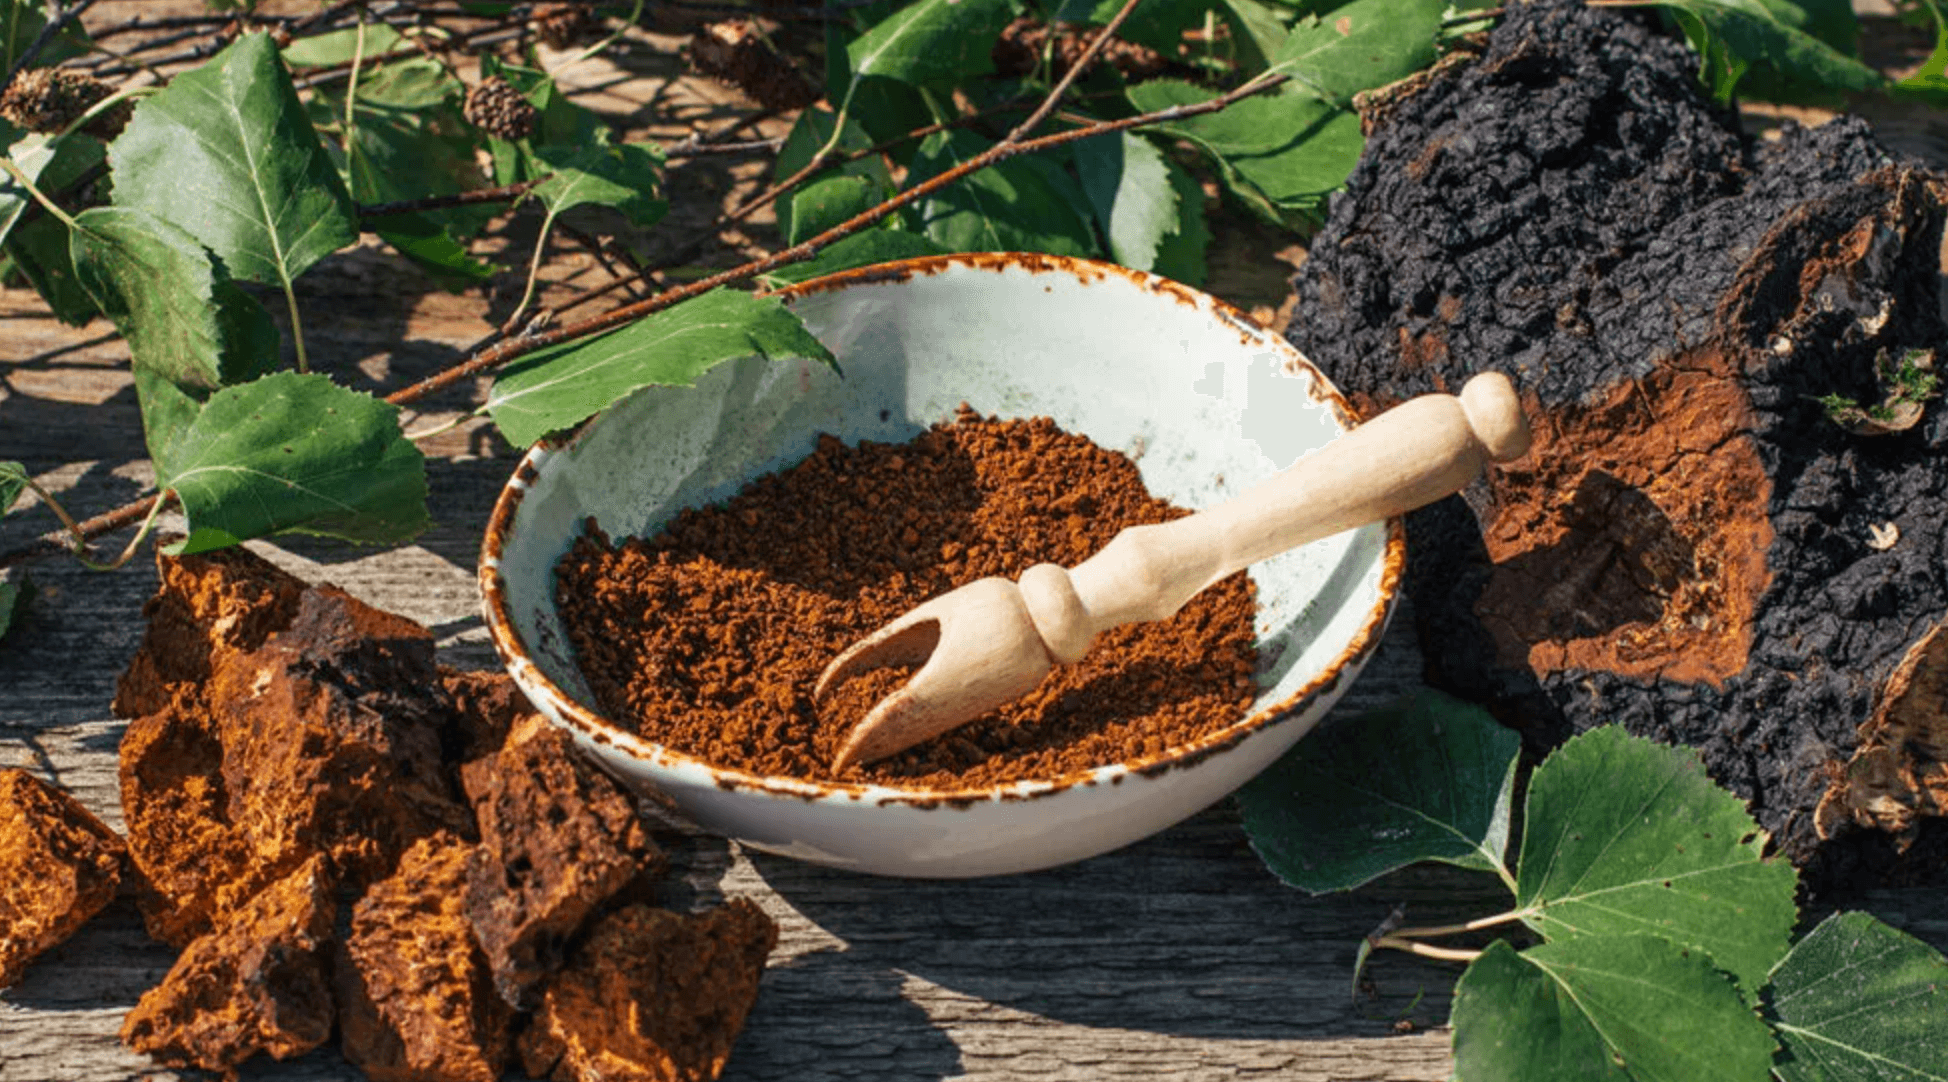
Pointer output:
554, 388
190, 329
623, 177
294, 453
1128, 183
1858, 1001
1281, 155
13, 482
1425, 778
1604, 1009
339, 46
1929, 82
829, 201
1359, 46
1013, 206
1731, 35
931, 41
227, 152
1622, 835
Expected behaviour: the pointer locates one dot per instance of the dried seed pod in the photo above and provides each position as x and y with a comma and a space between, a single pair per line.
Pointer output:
495, 107
560, 24
49, 99
1020, 46
735, 52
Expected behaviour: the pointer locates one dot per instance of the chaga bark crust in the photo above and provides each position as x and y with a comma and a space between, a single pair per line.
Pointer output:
557, 840
260, 983
415, 997
58, 866
1693, 548
652, 996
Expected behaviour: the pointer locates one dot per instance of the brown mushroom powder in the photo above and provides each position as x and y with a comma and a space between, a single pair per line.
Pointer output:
708, 637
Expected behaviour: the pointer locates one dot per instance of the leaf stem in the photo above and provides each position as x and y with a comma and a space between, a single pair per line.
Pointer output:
78, 541
351, 102
1476, 925
1445, 954
297, 325
534, 272
47, 204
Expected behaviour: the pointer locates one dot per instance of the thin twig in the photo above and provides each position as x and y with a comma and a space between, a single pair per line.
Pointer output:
1075, 71
508, 349
504, 193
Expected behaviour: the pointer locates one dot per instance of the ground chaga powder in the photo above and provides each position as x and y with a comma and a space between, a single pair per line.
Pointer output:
709, 636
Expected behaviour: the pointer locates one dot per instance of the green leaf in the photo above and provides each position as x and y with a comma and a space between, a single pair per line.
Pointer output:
859, 250
1929, 82
812, 130
1365, 44
1281, 155
432, 246
339, 46
295, 453
1731, 35
13, 482
1258, 31
623, 177
552, 389
189, 328
1011, 206
828, 201
562, 123
1181, 256
21, 21
39, 250
1127, 181
226, 152
1426, 778
1611, 1008
1159, 24
1858, 1001
51, 163
931, 41
1622, 836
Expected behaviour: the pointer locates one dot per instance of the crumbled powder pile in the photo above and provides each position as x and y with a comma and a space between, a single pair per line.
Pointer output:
709, 636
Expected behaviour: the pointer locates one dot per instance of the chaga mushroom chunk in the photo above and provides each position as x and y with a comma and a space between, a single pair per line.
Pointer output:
557, 839
416, 1000
58, 866
331, 736
208, 606
259, 983
652, 996
1704, 545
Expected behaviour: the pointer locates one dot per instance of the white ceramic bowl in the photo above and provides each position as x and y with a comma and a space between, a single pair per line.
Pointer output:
1204, 401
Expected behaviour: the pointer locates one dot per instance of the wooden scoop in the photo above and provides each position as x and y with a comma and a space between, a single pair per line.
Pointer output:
992, 640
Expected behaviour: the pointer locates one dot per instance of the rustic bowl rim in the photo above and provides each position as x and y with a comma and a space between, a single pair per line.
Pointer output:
570, 712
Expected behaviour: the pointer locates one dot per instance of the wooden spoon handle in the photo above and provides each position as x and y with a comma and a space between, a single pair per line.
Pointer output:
1418, 452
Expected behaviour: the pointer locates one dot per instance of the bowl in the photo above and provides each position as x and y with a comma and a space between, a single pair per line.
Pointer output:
1205, 402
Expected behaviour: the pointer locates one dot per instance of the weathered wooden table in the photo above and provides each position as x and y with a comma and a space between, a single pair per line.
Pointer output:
1180, 957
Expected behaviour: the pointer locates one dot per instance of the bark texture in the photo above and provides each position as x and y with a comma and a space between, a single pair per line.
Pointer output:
1699, 547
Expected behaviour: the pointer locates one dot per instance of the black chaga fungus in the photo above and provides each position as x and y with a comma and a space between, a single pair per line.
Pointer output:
1705, 545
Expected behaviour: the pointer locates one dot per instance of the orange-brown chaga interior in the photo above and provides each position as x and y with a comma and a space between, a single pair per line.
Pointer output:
1654, 565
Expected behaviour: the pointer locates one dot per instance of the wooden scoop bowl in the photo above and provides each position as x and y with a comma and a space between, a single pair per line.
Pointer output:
985, 643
